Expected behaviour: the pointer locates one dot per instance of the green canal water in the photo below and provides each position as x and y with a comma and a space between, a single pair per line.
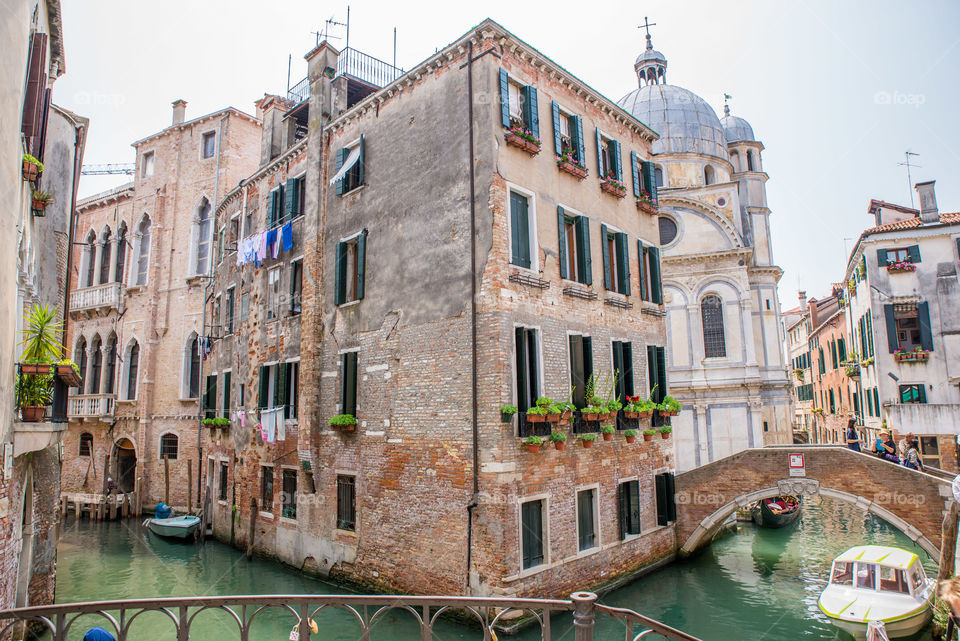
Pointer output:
752, 584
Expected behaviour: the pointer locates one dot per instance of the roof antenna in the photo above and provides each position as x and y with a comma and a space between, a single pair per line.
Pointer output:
906, 163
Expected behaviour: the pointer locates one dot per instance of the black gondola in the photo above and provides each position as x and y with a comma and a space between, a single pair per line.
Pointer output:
776, 512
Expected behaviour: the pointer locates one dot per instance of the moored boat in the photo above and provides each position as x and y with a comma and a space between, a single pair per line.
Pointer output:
776, 512
176, 527
878, 583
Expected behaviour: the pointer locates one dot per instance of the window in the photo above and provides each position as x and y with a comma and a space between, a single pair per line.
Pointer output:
709, 177
227, 389
93, 385
521, 236
909, 254
913, 393
288, 508
623, 369
210, 397
216, 317
90, 253
168, 446
221, 243
711, 312
208, 144
608, 157
273, 293
908, 328
224, 475
291, 197
586, 519
766, 426
82, 363
110, 372
86, 444
528, 367
616, 261
842, 573
876, 401
204, 226
651, 288
628, 508
121, 253
666, 498
668, 230
266, 488
192, 367
292, 386
275, 203
657, 373
644, 177
574, 237
833, 408
231, 294
346, 503
805, 392
105, 247
568, 135
893, 580
350, 167
531, 533
581, 367
143, 253
518, 105
296, 286
146, 164
658, 175
866, 575
750, 161
244, 306
348, 387
930, 451
273, 384
351, 269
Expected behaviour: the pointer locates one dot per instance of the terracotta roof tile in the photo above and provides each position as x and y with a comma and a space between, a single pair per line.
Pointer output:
911, 223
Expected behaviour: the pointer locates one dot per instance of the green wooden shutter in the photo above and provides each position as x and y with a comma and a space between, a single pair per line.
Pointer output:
870, 333
670, 483
926, 334
841, 349
914, 252
280, 384
617, 165
635, 172
622, 509
578, 142
532, 529
519, 346
650, 179
227, 377
618, 370
263, 387
519, 230
881, 258
341, 157
272, 209
504, 99
662, 372
893, 342
623, 263
641, 250
562, 246
605, 252
652, 378
348, 387
584, 261
340, 283
627, 368
656, 286
599, 155
661, 485
577, 378
531, 112
361, 263
291, 206
633, 507
587, 357
361, 164
876, 401
557, 142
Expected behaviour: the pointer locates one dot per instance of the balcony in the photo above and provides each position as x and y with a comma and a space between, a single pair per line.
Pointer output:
92, 406
92, 299
36, 437
924, 418
364, 74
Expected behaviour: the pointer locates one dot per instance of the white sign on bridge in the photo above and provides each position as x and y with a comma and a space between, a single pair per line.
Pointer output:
797, 467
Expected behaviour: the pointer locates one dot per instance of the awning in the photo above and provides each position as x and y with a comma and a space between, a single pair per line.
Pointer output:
347, 164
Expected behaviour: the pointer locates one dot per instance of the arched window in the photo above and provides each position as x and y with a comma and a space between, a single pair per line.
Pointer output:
143, 255
668, 230
110, 356
105, 256
121, 252
658, 175
90, 255
191, 367
708, 177
204, 240
735, 160
711, 312
80, 354
133, 365
750, 161
86, 444
168, 446
96, 365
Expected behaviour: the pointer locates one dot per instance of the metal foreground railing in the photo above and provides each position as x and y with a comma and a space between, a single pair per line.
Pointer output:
118, 616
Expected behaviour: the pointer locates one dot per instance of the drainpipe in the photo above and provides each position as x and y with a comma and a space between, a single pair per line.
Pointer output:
79, 141
473, 318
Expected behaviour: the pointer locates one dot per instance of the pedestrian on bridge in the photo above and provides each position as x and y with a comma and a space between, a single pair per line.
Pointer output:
885, 447
913, 456
853, 437
902, 446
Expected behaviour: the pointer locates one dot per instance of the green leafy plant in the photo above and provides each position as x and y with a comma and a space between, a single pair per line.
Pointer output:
558, 437
539, 410
649, 432
208, 422
608, 429
33, 161
533, 440
630, 432
544, 401
34, 390
508, 410
614, 405
666, 429
670, 404
41, 198
41, 335
342, 420
591, 436
66, 361
221, 421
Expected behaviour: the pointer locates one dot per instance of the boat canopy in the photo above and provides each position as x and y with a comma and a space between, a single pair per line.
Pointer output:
881, 555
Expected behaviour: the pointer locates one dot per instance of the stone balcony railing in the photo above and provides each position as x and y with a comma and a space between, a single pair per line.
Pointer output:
106, 296
924, 418
91, 406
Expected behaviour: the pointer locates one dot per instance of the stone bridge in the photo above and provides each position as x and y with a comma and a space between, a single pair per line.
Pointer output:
914, 502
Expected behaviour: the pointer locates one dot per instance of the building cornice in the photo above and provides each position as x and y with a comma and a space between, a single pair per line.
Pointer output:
273, 166
123, 192
196, 121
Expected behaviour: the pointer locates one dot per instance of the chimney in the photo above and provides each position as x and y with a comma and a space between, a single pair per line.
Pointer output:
802, 295
928, 202
814, 315
179, 111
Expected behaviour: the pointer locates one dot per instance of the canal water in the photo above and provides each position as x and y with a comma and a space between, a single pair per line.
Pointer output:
751, 584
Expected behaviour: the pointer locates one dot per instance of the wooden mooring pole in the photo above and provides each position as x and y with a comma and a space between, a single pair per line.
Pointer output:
190, 487
166, 480
948, 536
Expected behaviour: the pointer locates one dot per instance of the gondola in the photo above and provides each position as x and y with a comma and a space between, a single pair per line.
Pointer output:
776, 512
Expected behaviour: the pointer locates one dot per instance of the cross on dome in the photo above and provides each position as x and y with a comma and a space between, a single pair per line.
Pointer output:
651, 65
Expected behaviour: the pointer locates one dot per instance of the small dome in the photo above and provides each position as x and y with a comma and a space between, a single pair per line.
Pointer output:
737, 129
684, 120
651, 55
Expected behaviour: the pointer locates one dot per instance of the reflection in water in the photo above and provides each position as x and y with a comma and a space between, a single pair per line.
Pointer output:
754, 584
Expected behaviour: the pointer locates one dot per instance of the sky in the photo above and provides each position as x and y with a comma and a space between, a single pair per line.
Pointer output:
836, 91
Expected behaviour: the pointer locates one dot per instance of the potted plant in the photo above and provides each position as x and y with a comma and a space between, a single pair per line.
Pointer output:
586, 440
555, 412
670, 406
68, 372
507, 412
40, 201
533, 444
630, 435
31, 167
646, 204
537, 414
612, 186
343, 422
34, 392
645, 408
559, 440
899, 266
648, 434
568, 410
614, 406
568, 162
208, 422
608, 432
523, 138
41, 349
665, 431
221, 421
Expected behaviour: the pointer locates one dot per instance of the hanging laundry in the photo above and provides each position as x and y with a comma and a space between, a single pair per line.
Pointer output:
268, 418
287, 233
281, 427
275, 245
272, 240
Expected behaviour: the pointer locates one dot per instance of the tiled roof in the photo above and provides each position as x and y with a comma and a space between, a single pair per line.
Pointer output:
880, 203
911, 223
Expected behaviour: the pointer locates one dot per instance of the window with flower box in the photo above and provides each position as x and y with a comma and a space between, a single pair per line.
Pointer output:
623, 369
581, 367
608, 161
645, 182
898, 258
908, 328
574, 246
518, 110
568, 138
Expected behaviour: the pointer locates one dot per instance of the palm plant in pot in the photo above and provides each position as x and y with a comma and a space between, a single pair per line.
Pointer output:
41, 349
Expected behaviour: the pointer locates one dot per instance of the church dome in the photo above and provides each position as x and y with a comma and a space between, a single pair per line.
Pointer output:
736, 129
684, 120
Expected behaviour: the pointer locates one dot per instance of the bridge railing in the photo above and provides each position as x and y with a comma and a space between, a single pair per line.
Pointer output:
118, 616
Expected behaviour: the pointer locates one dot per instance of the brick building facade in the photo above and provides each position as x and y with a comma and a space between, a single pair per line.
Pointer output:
444, 271
830, 376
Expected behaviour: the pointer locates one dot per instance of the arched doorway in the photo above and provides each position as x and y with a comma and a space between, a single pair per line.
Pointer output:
25, 554
125, 465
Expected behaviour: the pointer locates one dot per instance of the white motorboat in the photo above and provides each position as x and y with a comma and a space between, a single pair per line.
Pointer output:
878, 583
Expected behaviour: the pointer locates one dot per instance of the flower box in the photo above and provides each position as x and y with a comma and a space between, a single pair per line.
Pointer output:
572, 168
30, 170
68, 375
647, 207
911, 356
536, 418
516, 140
591, 417
668, 413
554, 418
36, 368
613, 188
344, 428
899, 268
32, 414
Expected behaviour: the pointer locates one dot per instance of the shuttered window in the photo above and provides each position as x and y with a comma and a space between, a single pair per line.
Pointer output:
608, 157
651, 288
666, 498
351, 269
574, 247
288, 506
210, 397
531, 533
628, 508
32, 117
224, 481
586, 519
657, 372
293, 193
527, 367
227, 393
266, 488
356, 175
348, 383
296, 286
623, 369
568, 135
346, 503
518, 105
520, 236
581, 367
616, 261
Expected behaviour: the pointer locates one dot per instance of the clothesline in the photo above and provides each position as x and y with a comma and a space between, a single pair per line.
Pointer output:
259, 246
272, 423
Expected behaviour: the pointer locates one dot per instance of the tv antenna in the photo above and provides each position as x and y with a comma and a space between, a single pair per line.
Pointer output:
331, 22
906, 163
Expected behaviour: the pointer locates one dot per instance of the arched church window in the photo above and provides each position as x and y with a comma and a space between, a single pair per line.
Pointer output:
751, 164
668, 230
708, 175
658, 175
711, 312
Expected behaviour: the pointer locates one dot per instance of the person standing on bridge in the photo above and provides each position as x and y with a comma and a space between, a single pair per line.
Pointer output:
913, 456
902, 446
853, 437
